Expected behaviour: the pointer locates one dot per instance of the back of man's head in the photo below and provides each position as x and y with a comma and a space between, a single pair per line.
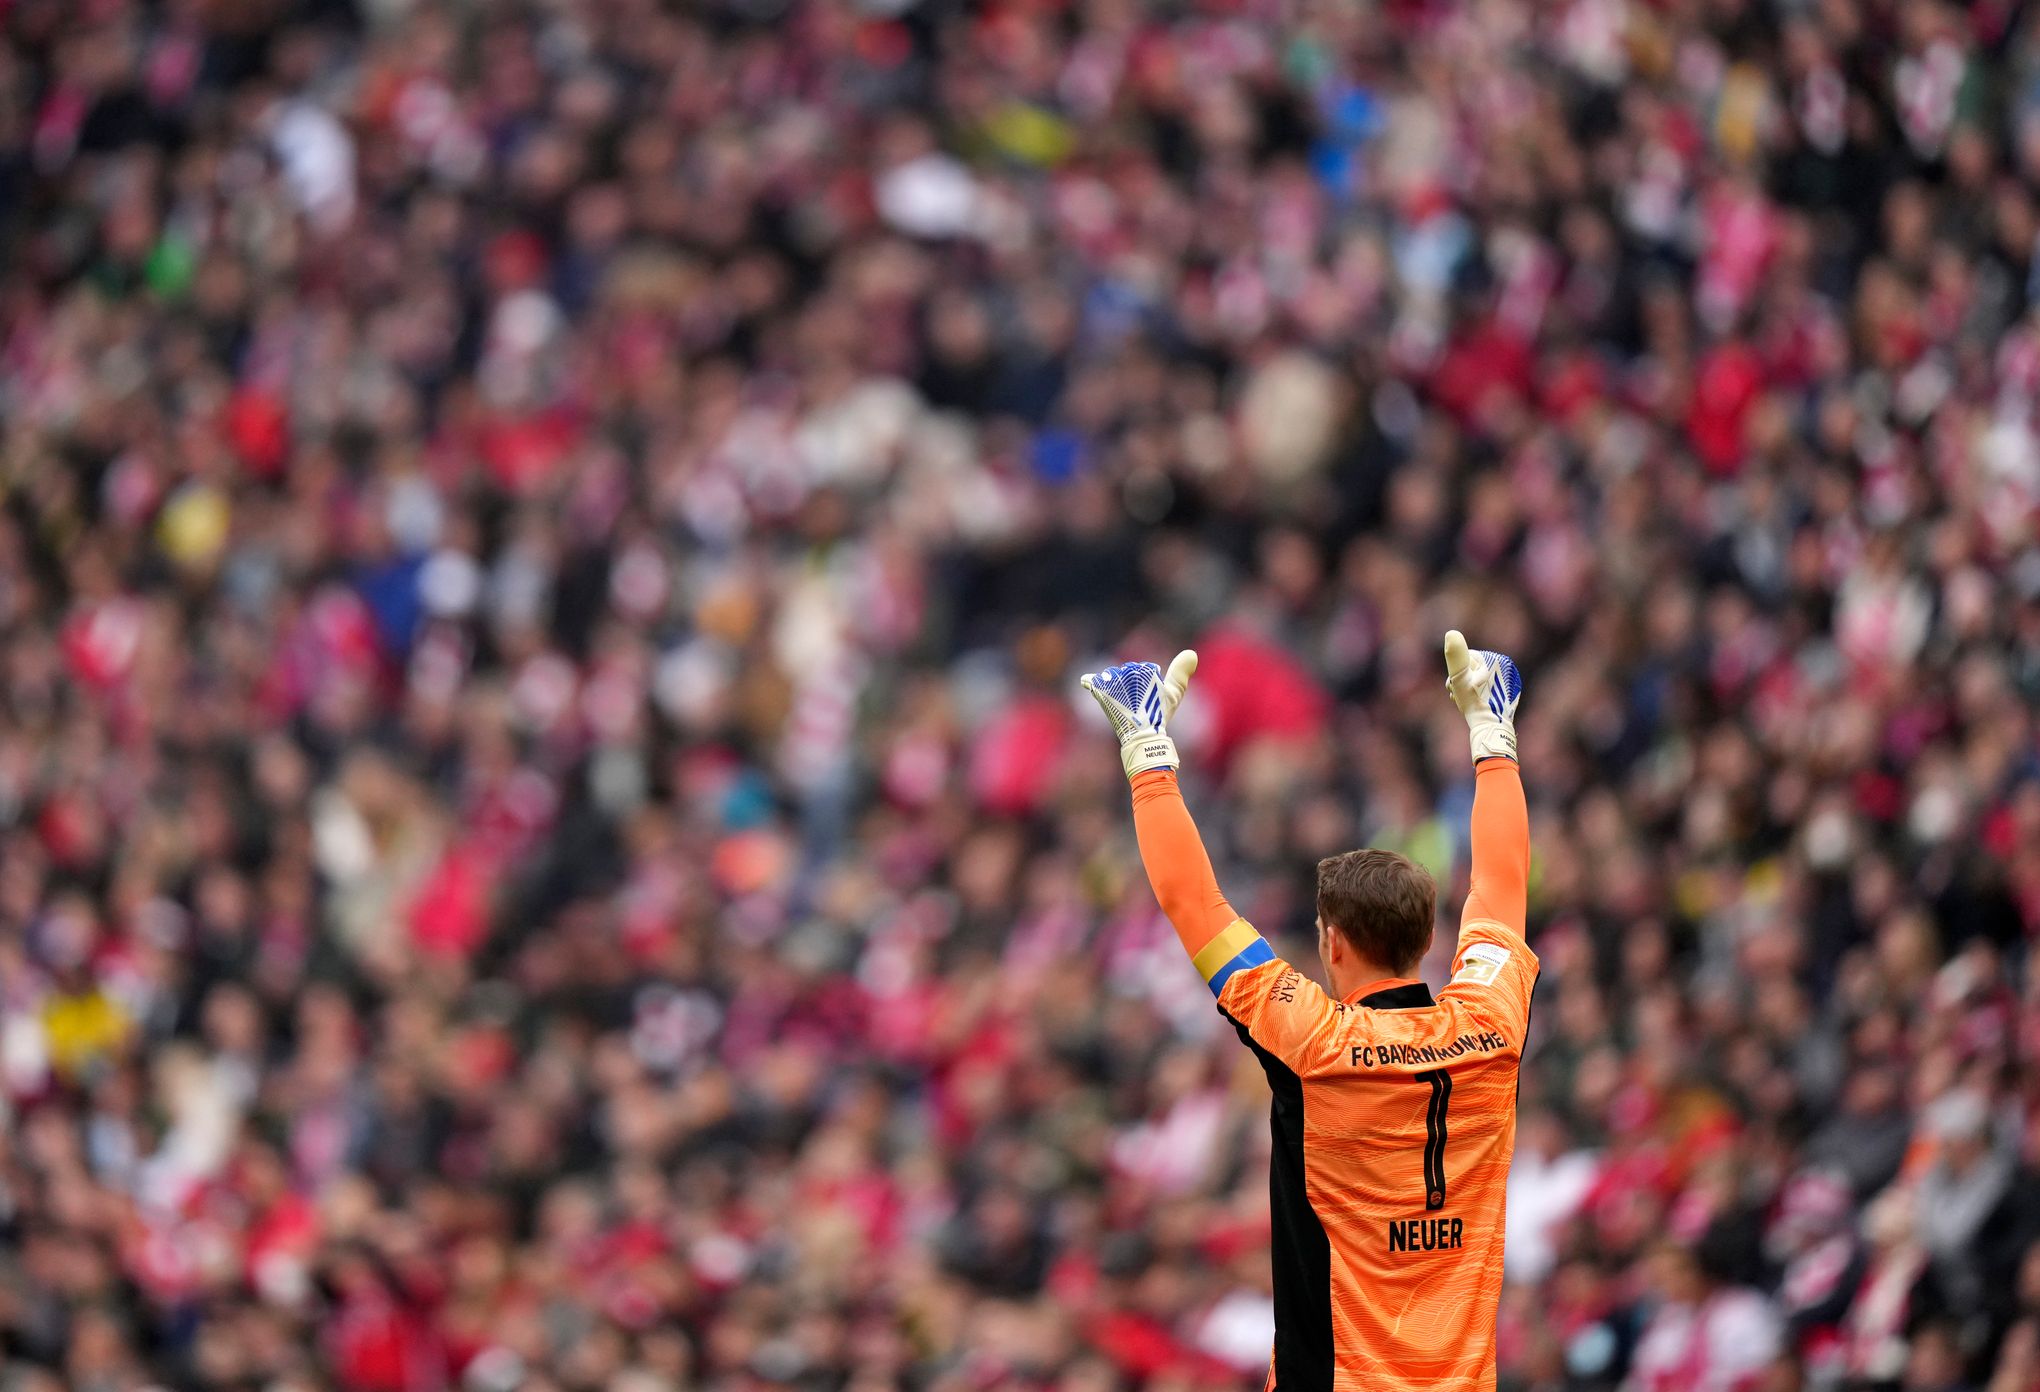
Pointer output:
1380, 902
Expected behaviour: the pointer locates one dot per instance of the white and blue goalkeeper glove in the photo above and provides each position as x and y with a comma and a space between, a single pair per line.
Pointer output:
1486, 687
1138, 698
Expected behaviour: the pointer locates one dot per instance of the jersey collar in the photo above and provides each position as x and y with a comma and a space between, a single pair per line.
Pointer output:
1394, 993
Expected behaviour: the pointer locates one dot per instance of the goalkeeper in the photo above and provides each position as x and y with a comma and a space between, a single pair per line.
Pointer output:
1394, 1112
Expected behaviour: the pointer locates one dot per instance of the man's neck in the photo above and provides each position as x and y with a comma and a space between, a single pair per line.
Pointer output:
1358, 972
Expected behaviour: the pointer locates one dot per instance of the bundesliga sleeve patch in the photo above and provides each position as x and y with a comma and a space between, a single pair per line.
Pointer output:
1480, 964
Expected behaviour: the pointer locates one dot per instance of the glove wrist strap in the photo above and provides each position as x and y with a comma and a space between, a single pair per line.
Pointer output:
1493, 741
1147, 749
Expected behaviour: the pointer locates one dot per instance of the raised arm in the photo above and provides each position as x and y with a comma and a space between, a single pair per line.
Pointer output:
1493, 971
1499, 891
1218, 940
1486, 687
1138, 697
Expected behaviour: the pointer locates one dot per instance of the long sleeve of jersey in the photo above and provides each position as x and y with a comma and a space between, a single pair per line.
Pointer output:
1499, 890
1493, 969
1218, 940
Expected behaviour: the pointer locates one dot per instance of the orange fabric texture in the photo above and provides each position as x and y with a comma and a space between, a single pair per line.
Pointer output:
1177, 866
1499, 889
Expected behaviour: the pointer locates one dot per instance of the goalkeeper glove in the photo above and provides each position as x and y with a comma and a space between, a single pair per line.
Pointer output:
1138, 698
1485, 686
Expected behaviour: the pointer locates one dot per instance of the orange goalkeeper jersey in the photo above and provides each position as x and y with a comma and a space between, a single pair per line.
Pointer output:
1393, 1116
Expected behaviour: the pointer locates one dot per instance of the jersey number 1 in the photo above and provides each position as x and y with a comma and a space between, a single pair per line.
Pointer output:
1434, 1136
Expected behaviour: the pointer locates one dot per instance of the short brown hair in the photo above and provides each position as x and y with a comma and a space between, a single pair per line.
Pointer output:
1384, 903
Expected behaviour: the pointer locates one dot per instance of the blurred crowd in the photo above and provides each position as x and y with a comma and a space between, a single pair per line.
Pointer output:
547, 838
